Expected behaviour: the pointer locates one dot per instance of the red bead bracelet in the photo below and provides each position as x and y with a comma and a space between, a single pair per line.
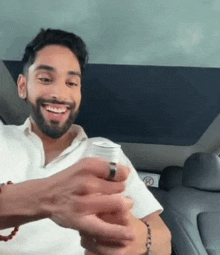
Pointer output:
149, 241
13, 233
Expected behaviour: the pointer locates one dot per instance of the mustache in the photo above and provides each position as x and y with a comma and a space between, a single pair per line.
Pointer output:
41, 101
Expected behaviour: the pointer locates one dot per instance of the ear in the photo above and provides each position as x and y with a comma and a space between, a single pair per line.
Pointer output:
22, 86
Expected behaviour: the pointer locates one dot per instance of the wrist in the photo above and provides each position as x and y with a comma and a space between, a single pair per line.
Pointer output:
149, 240
21, 203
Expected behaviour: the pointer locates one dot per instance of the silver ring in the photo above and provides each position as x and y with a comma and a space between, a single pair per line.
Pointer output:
113, 170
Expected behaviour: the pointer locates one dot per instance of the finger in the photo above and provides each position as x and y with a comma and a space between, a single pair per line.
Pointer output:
87, 239
88, 184
95, 204
113, 242
129, 205
120, 218
101, 168
97, 246
112, 187
94, 226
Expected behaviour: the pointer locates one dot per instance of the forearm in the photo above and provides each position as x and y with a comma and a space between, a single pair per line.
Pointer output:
136, 247
160, 238
160, 235
21, 203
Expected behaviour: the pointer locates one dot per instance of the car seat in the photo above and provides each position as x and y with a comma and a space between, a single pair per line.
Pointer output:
170, 178
193, 210
12, 109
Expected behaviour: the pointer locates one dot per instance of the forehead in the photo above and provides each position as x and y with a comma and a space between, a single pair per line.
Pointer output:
59, 57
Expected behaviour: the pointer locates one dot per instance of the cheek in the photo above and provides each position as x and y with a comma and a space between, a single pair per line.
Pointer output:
35, 92
32, 91
77, 98
32, 96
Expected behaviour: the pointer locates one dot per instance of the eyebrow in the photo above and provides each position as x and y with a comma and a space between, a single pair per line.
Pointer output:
52, 69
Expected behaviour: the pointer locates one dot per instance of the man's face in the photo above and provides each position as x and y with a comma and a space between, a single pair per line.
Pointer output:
53, 89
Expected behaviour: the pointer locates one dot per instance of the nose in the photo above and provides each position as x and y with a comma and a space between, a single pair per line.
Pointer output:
59, 91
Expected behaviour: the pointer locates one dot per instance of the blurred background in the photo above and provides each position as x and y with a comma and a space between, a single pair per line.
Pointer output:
140, 32
153, 74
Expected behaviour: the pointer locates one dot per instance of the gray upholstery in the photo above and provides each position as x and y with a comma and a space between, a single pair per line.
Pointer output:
209, 225
12, 109
193, 214
203, 172
159, 194
170, 178
2, 120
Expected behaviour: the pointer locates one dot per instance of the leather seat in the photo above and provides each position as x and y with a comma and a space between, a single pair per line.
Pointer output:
12, 109
2, 120
170, 178
193, 209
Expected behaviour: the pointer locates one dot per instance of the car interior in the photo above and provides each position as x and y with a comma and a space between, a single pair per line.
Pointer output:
184, 177
152, 85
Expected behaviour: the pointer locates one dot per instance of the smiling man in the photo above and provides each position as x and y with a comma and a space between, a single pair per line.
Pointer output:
53, 117
55, 183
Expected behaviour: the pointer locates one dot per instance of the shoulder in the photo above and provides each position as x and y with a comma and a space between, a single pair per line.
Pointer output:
10, 130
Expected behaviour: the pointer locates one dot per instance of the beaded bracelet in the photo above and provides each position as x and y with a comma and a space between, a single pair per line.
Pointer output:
13, 233
149, 242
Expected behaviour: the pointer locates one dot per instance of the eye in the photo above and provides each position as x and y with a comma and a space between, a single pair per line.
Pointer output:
72, 84
45, 80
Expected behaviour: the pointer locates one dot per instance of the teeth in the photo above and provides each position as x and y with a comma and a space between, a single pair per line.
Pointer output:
56, 110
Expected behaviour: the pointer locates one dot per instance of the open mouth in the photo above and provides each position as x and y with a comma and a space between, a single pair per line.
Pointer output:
55, 111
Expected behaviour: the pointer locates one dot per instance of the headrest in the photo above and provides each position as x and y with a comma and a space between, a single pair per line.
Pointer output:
202, 171
2, 120
13, 110
171, 177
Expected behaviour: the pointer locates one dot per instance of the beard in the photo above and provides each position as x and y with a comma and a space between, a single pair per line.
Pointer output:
53, 130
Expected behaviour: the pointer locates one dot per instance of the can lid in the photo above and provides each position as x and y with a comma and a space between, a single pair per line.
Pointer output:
109, 151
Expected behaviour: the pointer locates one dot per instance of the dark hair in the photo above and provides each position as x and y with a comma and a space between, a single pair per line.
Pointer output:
57, 37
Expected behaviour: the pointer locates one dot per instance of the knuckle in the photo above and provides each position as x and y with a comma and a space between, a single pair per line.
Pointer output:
86, 185
87, 162
79, 206
93, 187
84, 165
91, 162
114, 187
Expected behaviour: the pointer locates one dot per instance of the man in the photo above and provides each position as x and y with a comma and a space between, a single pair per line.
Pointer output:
54, 182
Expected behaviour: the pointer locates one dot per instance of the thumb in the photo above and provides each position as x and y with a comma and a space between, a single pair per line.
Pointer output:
129, 202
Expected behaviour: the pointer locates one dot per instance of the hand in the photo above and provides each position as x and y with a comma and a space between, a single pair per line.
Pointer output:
103, 246
76, 196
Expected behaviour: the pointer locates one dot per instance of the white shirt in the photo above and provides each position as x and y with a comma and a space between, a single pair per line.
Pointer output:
22, 158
